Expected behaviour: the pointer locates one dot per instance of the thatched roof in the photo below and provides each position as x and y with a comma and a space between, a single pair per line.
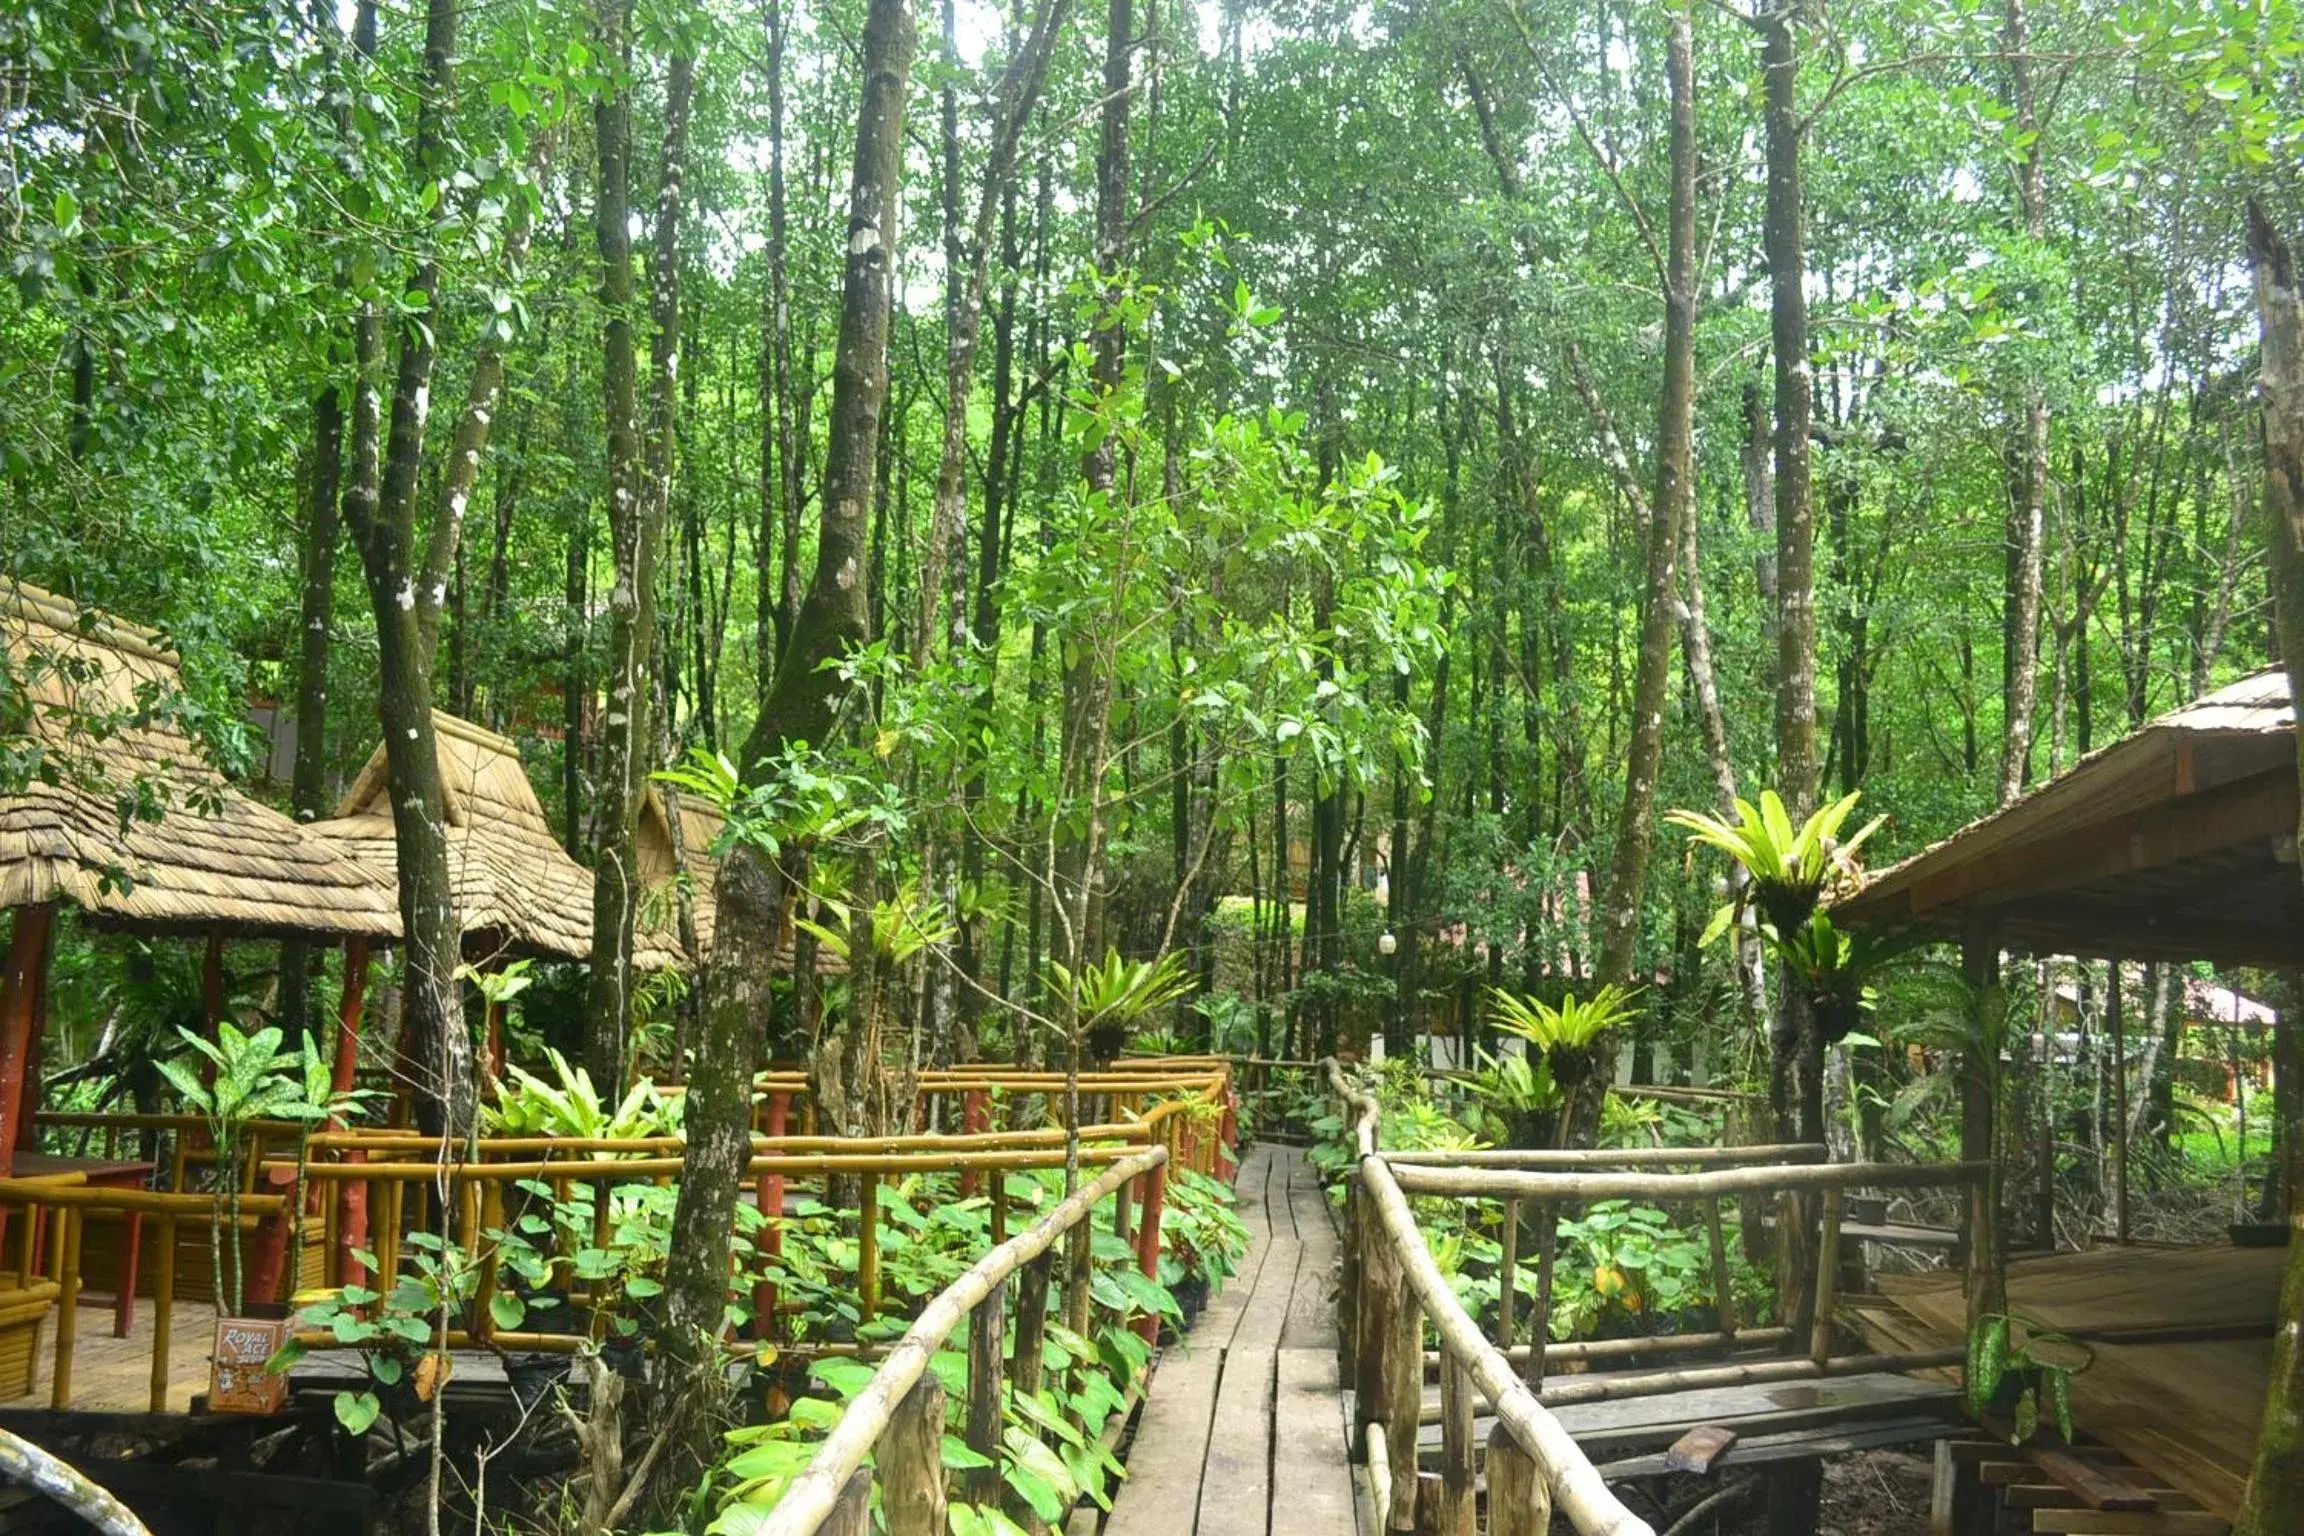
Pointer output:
659, 861
197, 855
517, 891
2175, 843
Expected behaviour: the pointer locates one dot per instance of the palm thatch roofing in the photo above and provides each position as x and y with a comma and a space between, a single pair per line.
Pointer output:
517, 892
662, 860
122, 815
2177, 842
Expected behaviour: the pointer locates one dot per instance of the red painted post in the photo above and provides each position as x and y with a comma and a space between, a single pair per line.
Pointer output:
1148, 1242
268, 1257
770, 1194
27, 948
1227, 1139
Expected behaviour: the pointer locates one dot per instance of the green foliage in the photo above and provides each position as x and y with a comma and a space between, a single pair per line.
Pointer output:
1788, 867
2042, 1363
527, 1105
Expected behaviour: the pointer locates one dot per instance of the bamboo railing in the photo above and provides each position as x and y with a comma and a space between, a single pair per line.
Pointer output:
898, 1419
1393, 1287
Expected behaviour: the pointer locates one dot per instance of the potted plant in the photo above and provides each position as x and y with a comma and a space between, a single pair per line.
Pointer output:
249, 1079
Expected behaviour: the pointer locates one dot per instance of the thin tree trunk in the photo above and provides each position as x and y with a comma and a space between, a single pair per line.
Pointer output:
639, 479
2027, 508
308, 781
1784, 235
1675, 484
381, 510
752, 891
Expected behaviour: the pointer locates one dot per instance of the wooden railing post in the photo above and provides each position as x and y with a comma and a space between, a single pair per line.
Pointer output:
852, 1515
1508, 1278
868, 1245
163, 1311
1390, 1367
1454, 1516
67, 1304
987, 1337
1519, 1502
911, 1459
1723, 1277
1031, 1325
1827, 1279
1148, 1243
1540, 1319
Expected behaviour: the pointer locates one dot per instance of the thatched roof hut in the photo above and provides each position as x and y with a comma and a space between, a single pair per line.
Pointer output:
125, 819
517, 891
661, 860
2177, 842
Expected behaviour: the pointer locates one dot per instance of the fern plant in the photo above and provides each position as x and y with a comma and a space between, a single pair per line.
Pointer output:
1109, 996
1564, 1033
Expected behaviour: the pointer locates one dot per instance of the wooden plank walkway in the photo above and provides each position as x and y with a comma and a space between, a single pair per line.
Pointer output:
1243, 1432
115, 1375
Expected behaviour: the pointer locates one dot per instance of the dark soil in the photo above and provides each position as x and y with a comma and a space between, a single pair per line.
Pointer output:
1867, 1493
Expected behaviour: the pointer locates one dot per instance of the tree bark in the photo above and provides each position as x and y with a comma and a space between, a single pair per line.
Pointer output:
308, 781
2275, 1499
751, 891
1784, 235
2026, 519
639, 480
381, 510
1675, 485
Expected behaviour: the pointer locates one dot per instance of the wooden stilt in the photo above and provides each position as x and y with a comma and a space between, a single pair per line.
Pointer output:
352, 1196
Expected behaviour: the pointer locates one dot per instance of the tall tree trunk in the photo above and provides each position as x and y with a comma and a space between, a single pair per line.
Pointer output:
1620, 908
1784, 234
751, 892
780, 422
2275, 1497
406, 597
2026, 513
308, 781
639, 490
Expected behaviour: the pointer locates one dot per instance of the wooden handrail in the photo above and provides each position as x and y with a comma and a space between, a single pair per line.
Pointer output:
1397, 1271
1549, 1158
817, 1492
1516, 1184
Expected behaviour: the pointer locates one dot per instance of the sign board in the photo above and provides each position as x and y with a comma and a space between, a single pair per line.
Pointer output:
237, 1381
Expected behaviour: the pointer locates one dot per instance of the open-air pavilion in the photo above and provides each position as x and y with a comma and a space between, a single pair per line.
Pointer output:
123, 820
2175, 844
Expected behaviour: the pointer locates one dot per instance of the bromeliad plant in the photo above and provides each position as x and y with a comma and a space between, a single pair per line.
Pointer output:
250, 1079
1108, 997
1834, 967
1788, 868
1565, 1035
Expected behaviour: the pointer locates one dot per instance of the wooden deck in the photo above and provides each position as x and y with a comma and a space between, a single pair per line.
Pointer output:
112, 1375
2186, 1408
1243, 1431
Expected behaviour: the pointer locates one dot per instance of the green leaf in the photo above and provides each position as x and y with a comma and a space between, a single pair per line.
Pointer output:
507, 1311
357, 1410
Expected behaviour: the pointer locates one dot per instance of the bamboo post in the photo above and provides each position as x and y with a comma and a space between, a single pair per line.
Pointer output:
1508, 1274
911, 1460
1827, 1279
163, 1311
1519, 1502
987, 1333
491, 1264
999, 1208
67, 1306
1454, 1515
28, 1243
868, 1244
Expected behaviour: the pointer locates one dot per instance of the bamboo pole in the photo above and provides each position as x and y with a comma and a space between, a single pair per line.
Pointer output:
1495, 1184
67, 1306
163, 1312
812, 1494
1581, 1158
1588, 1351
1454, 1517
1827, 1281
1519, 1503
987, 1332
1618, 1385
1508, 1275
868, 1245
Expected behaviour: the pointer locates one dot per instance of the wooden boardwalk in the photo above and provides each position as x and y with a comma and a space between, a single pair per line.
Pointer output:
115, 1375
1243, 1432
